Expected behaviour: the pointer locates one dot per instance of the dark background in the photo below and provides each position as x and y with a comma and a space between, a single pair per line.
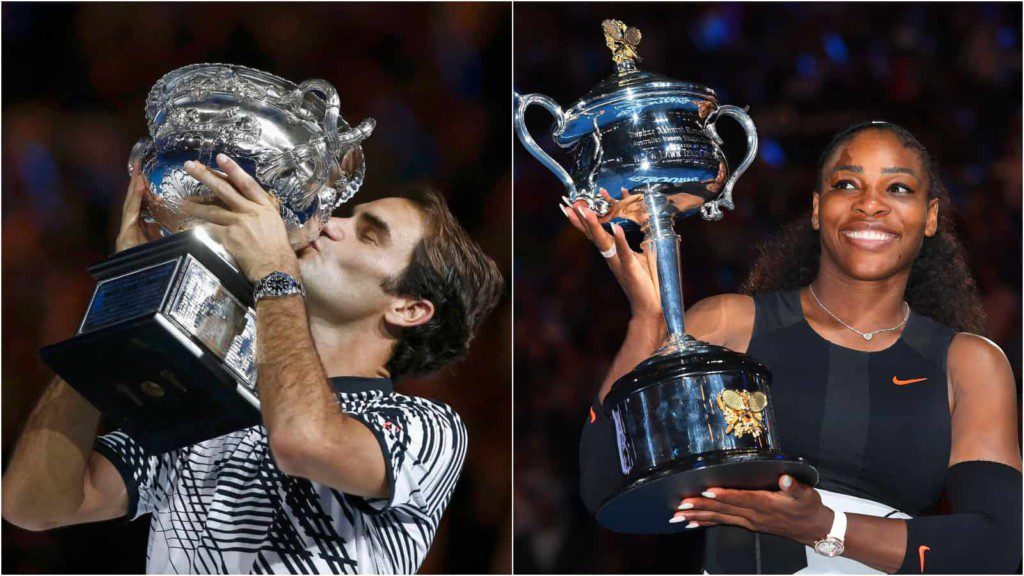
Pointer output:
951, 73
75, 77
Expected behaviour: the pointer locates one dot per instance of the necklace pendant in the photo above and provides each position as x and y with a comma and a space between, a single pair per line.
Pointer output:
868, 336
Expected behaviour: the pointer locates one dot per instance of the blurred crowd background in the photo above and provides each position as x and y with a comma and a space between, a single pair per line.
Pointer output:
951, 73
75, 77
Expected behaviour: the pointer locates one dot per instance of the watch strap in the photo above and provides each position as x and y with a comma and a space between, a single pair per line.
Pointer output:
838, 529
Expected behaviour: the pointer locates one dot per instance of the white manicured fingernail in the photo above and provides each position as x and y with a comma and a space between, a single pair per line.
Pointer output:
566, 200
580, 212
676, 519
685, 506
564, 211
615, 228
189, 165
787, 481
692, 525
708, 494
223, 158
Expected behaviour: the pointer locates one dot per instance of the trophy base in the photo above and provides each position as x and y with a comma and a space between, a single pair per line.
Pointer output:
645, 506
151, 386
166, 347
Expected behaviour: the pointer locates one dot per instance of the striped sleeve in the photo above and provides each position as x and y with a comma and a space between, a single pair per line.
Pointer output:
424, 446
145, 475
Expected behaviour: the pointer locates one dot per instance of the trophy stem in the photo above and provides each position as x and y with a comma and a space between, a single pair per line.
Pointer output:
659, 235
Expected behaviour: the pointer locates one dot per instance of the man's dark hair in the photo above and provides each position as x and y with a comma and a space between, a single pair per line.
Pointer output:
451, 271
940, 285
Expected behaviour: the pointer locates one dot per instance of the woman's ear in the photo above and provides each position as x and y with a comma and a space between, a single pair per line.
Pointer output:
931, 225
409, 312
814, 211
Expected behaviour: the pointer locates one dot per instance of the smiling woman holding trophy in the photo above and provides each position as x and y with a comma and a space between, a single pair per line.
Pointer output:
855, 353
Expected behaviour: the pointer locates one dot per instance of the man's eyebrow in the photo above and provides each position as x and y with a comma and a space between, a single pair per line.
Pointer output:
899, 170
374, 221
848, 168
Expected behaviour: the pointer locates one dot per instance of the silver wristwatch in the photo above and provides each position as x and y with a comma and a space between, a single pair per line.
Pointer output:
833, 544
276, 285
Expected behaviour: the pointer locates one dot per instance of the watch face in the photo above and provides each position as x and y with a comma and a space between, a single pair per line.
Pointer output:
830, 547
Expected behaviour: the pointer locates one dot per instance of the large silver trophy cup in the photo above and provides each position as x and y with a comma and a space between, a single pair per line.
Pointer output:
168, 342
693, 415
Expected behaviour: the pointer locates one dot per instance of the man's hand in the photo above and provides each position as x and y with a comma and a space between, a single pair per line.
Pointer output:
248, 225
794, 512
134, 230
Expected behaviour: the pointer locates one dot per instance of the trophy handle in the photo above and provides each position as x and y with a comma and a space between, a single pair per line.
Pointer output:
713, 210
335, 139
525, 101
333, 104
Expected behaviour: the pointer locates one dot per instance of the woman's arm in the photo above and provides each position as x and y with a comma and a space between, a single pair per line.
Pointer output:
726, 320
984, 427
983, 531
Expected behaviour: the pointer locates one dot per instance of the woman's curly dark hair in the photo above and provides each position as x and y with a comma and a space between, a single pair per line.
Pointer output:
451, 271
940, 286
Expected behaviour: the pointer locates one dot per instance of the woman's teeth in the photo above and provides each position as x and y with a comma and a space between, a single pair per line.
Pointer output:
868, 235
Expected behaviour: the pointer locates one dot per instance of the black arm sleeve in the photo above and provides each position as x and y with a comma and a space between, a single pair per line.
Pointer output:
982, 534
600, 472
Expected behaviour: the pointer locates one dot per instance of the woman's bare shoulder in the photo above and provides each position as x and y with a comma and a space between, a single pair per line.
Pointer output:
725, 319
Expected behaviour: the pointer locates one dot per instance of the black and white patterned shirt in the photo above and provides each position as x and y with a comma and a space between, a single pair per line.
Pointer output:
222, 506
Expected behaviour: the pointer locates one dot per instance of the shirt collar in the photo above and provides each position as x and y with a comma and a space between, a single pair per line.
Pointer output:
355, 384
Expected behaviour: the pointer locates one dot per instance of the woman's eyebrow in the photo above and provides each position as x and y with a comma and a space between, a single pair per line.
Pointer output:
848, 168
899, 170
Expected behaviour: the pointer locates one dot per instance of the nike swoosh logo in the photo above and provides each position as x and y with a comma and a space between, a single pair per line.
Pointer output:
920, 551
899, 382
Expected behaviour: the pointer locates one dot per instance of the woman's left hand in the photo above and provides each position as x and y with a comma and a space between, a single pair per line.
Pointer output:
794, 512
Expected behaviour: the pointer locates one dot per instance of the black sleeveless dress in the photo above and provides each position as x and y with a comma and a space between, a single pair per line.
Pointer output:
876, 425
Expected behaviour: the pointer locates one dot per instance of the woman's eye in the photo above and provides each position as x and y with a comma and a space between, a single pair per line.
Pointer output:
900, 189
843, 185
367, 237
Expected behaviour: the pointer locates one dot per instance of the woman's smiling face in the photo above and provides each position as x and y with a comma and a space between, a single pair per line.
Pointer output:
872, 209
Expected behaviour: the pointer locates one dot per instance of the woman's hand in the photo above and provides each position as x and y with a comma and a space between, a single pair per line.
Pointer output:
795, 512
633, 270
134, 230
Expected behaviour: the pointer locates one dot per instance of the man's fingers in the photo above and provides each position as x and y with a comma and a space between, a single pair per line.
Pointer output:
220, 187
133, 200
245, 183
209, 212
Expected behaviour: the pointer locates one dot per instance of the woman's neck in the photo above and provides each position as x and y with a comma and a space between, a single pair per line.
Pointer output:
863, 304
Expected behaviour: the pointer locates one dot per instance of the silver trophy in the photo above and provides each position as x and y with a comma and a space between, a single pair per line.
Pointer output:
167, 345
694, 415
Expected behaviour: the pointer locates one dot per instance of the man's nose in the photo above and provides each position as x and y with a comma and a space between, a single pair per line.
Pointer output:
335, 228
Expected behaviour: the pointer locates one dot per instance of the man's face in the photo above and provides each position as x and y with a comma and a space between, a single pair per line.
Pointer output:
345, 268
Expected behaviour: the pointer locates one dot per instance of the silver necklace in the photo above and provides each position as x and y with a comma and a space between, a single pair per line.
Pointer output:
864, 335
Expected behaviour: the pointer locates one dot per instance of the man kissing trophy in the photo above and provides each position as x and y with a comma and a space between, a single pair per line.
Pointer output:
167, 345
